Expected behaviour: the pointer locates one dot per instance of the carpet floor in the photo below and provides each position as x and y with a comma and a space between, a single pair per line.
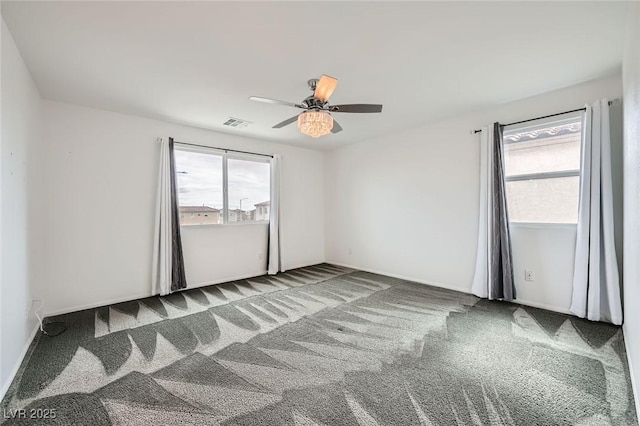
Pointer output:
323, 345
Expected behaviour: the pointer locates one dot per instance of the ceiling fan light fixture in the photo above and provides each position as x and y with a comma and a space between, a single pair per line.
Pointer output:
315, 123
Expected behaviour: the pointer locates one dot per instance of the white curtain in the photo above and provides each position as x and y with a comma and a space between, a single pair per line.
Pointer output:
274, 261
493, 276
162, 245
596, 283
480, 286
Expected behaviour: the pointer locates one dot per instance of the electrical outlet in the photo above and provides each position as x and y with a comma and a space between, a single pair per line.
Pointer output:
349, 250
528, 275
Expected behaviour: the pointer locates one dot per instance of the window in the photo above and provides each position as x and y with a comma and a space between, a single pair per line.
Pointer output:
542, 171
249, 188
216, 188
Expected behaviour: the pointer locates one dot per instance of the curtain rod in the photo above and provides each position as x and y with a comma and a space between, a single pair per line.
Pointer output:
222, 149
540, 118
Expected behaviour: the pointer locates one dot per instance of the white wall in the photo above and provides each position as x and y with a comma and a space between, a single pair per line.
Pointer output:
631, 82
242, 255
100, 193
20, 123
407, 204
549, 252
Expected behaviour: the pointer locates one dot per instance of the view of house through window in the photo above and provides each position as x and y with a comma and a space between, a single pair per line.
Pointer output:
202, 193
542, 172
249, 190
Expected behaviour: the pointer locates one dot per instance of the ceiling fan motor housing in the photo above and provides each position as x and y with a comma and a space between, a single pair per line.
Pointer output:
313, 103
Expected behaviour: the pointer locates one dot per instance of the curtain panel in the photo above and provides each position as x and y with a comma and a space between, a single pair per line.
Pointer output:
274, 248
168, 272
493, 277
596, 280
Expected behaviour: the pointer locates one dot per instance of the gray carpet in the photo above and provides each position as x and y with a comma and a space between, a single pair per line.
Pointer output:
325, 345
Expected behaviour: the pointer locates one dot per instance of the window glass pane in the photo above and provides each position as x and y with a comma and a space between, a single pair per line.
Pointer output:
550, 149
552, 200
249, 190
554, 147
199, 177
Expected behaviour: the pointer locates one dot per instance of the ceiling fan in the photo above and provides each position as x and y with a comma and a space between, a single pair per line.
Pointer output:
316, 119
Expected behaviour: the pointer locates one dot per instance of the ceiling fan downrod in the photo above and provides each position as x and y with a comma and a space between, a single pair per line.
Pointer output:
313, 83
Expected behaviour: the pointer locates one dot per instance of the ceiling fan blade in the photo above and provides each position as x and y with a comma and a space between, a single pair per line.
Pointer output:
286, 122
336, 127
356, 108
275, 102
325, 87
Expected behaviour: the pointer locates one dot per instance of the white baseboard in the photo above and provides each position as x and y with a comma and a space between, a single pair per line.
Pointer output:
544, 306
94, 305
16, 367
634, 387
303, 265
451, 287
225, 280
142, 296
402, 277
246, 276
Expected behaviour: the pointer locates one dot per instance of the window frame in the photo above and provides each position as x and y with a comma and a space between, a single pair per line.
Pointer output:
225, 155
542, 124
543, 175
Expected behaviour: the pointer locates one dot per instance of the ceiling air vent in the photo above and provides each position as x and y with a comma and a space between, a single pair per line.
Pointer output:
236, 122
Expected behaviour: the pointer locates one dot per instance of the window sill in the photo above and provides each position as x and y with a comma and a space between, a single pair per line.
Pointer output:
542, 225
222, 225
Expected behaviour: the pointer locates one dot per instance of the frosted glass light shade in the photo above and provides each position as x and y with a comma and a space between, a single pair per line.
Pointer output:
315, 123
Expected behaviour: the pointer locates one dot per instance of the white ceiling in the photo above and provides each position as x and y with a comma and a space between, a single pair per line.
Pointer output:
198, 62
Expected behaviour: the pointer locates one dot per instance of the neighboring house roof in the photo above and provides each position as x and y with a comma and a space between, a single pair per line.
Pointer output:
264, 203
547, 132
197, 209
